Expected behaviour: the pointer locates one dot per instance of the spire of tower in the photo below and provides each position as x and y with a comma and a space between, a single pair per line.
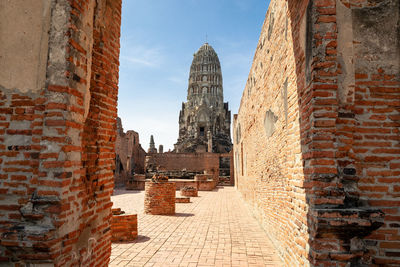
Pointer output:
151, 141
152, 148
205, 110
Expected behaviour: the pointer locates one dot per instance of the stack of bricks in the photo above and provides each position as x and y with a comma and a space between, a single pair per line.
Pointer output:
182, 199
123, 227
189, 191
159, 197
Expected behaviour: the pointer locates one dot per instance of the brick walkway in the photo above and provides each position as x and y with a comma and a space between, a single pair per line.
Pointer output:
215, 229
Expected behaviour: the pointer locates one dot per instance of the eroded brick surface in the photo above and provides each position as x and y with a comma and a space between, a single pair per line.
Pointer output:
189, 191
124, 227
316, 136
57, 140
130, 155
159, 198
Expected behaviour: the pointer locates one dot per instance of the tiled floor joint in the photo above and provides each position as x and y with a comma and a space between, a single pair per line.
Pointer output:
215, 229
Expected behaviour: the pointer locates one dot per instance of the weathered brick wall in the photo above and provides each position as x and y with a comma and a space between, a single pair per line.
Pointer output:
316, 146
58, 133
268, 159
130, 155
200, 185
99, 132
196, 162
138, 153
368, 123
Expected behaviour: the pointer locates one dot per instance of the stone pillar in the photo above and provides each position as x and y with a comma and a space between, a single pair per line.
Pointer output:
210, 144
159, 198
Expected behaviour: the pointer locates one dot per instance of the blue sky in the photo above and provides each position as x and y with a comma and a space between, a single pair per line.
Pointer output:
158, 40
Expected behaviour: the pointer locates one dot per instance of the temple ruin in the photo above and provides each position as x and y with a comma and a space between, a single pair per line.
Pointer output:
58, 93
316, 138
204, 144
129, 155
205, 120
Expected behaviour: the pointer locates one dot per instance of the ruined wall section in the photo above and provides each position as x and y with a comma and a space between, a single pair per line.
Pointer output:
267, 148
316, 137
99, 133
130, 155
121, 155
368, 123
50, 210
350, 152
191, 162
138, 153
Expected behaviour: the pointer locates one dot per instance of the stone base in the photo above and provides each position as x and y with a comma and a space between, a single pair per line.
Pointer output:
159, 198
201, 185
139, 177
207, 185
203, 177
182, 200
123, 228
189, 192
134, 185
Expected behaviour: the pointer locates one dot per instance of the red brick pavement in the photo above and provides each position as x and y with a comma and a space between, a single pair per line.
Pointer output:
215, 229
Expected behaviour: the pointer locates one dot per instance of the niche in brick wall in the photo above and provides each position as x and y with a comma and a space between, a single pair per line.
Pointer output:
271, 24
237, 137
269, 123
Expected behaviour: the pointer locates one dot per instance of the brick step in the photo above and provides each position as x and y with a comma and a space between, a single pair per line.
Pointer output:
182, 200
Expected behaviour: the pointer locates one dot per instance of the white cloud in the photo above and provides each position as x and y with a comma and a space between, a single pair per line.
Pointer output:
142, 56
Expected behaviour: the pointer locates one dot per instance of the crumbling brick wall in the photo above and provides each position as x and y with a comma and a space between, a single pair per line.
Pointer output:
138, 153
130, 155
191, 162
316, 139
57, 113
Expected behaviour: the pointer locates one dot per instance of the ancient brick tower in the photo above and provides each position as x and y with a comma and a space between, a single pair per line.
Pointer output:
204, 121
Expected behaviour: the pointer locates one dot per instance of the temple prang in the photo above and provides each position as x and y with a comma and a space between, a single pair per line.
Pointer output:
205, 110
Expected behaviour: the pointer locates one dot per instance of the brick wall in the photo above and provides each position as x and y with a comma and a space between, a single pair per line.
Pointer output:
316, 146
138, 153
130, 155
195, 162
57, 140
